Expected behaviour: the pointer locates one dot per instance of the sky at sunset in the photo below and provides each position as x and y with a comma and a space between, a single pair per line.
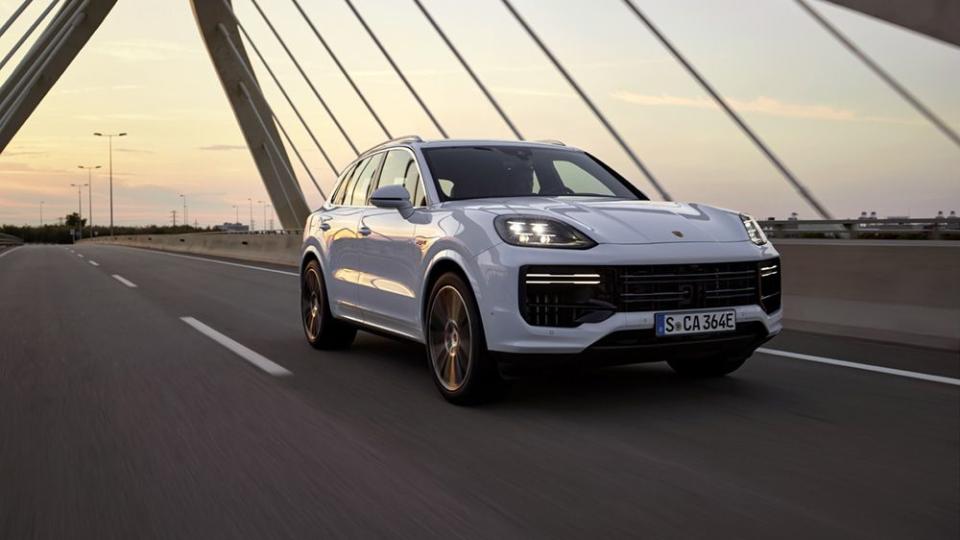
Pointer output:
845, 134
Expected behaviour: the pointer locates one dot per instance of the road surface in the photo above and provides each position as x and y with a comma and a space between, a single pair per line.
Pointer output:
144, 394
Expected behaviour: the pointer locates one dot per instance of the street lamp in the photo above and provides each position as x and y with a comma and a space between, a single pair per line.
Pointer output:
80, 206
185, 220
263, 225
89, 169
251, 213
41, 213
236, 209
110, 137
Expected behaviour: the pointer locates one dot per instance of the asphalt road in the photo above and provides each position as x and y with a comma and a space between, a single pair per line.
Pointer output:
120, 420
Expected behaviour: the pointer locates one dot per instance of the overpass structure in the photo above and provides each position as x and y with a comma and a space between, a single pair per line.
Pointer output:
68, 25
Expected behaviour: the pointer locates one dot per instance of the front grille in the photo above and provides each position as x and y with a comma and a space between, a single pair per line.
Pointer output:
567, 296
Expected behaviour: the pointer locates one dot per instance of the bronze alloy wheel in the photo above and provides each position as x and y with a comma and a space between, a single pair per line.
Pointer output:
311, 303
450, 338
323, 331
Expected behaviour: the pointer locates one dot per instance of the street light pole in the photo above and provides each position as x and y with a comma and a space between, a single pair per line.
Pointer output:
263, 225
41, 213
251, 213
80, 206
236, 209
185, 220
110, 137
89, 169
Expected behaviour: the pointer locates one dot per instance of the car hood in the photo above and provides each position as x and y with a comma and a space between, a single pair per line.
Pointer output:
625, 222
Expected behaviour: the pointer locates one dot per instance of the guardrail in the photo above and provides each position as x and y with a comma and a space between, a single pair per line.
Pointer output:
874, 229
9, 240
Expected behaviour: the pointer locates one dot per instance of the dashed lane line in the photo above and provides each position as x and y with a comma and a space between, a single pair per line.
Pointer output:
240, 350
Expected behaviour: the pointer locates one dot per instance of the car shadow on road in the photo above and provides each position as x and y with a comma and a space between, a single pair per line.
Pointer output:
638, 385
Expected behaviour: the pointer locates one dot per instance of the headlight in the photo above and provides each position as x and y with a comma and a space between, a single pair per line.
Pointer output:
532, 231
753, 230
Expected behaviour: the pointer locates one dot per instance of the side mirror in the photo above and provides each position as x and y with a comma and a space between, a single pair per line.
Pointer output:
395, 196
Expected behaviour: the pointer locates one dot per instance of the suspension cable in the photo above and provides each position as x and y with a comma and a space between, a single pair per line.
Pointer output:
305, 77
586, 99
28, 33
276, 120
343, 70
13, 18
396, 68
801, 189
883, 74
469, 70
276, 81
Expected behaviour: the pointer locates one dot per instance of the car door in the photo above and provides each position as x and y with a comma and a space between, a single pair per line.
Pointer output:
337, 225
389, 257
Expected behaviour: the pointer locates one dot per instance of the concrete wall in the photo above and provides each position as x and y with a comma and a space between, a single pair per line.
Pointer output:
269, 248
887, 290
897, 291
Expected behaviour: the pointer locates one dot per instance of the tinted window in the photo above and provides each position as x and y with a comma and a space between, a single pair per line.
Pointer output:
361, 185
472, 172
344, 196
337, 197
400, 168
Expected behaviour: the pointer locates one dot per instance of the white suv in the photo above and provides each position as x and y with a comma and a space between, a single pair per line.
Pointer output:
502, 255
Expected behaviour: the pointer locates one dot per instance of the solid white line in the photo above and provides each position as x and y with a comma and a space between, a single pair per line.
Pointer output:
251, 356
125, 281
7, 252
204, 259
94, 263
864, 367
80, 255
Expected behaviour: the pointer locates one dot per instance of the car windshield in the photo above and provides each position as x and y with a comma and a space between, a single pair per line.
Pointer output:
476, 172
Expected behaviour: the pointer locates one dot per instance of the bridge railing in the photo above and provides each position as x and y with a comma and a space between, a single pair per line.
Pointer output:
7, 240
947, 228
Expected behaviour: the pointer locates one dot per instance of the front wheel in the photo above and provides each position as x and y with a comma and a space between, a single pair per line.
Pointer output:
321, 329
456, 348
708, 367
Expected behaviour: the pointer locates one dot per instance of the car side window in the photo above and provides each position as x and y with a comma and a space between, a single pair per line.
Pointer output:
361, 186
345, 194
400, 168
337, 198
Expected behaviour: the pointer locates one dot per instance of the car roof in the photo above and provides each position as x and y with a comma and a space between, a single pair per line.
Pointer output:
416, 142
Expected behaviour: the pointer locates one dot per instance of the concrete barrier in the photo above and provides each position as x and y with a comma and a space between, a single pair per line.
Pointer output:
900, 291
888, 290
269, 248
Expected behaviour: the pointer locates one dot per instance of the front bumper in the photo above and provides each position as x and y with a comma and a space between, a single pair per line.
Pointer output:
498, 275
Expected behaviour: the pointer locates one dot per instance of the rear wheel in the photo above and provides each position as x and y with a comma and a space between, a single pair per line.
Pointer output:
708, 367
456, 348
321, 329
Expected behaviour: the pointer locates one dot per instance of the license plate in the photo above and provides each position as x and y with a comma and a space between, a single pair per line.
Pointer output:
673, 324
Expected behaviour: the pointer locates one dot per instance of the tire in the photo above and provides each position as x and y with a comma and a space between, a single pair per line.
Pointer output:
708, 367
456, 346
322, 330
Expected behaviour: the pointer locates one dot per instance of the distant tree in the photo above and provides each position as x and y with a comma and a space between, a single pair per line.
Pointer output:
73, 221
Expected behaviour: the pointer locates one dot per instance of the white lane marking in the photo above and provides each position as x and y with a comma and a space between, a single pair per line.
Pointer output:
864, 367
251, 356
125, 281
80, 255
204, 259
93, 263
9, 251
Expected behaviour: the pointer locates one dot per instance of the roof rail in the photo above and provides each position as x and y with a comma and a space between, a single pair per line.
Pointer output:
405, 138
551, 141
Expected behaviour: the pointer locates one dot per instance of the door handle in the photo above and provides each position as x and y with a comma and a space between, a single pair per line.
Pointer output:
324, 226
364, 230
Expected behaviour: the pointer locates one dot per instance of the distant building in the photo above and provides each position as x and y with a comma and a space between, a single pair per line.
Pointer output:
232, 228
